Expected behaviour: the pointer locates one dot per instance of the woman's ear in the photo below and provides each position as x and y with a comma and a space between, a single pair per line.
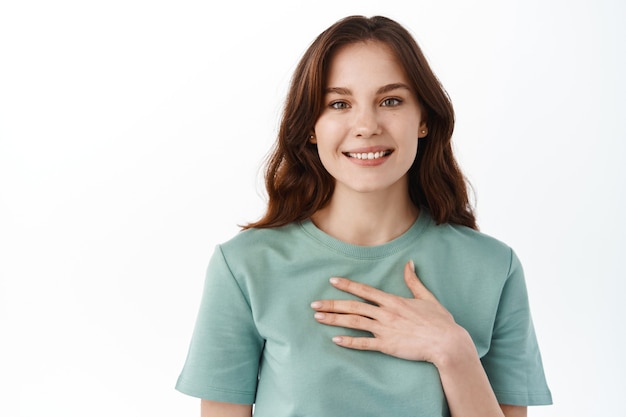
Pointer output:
423, 130
313, 139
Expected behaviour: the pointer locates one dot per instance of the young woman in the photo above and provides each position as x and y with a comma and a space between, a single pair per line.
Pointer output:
317, 309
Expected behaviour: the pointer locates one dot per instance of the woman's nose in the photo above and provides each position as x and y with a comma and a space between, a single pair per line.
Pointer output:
366, 122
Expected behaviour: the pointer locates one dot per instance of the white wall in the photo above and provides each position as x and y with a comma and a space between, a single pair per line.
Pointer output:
131, 137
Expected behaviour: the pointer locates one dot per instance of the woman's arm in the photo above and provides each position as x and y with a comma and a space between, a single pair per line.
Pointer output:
466, 385
418, 329
514, 410
219, 409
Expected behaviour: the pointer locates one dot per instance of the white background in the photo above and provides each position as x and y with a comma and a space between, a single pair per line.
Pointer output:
132, 134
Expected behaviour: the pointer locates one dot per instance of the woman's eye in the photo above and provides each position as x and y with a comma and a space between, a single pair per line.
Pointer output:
391, 102
339, 105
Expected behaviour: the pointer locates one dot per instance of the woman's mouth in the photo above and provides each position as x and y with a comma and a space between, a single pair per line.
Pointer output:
368, 155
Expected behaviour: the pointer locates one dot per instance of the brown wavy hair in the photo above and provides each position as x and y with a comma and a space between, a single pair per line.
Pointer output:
298, 184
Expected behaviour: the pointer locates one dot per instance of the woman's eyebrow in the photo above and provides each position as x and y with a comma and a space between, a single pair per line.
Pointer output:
390, 87
339, 90
343, 91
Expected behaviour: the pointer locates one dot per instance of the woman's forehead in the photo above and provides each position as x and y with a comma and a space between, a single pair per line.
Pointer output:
364, 62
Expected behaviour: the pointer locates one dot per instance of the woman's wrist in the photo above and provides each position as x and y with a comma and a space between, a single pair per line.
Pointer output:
463, 378
457, 350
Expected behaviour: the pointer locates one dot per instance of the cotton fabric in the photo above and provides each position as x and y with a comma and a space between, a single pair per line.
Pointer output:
256, 340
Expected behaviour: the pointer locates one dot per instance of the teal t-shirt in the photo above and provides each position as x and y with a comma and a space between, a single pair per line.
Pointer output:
256, 340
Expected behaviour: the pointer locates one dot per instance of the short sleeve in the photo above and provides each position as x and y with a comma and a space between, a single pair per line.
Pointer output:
513, 361
223, 359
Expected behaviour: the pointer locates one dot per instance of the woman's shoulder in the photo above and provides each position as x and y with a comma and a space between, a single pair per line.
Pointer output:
470, 241
471, 250
263, 249
249, 239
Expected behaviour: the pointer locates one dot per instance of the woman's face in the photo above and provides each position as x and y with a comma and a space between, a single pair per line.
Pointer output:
367, 132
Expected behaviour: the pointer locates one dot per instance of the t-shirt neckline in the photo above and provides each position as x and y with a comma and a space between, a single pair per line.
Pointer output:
368, 252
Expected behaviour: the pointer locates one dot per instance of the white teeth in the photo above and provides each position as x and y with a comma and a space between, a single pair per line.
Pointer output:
368, 155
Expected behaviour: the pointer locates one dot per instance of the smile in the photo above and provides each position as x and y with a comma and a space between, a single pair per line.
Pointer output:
368, 155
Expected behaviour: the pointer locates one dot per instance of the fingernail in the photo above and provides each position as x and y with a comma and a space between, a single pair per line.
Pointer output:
319, 316
316, 304
334, 281
337, 339
412, 265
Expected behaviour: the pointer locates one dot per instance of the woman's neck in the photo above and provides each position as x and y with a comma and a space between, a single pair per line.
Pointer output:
366, 219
